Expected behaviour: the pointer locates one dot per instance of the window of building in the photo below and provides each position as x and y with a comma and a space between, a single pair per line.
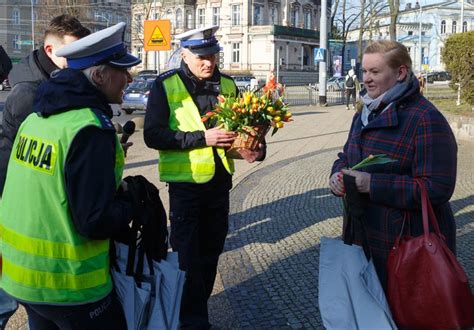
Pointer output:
307, 19
464, 26
235, 15
16, 42
294, 15
140, 52
423, 52
410, 33
273, 12
257, 15
216, 15
170, 16
453, 29
201, 17
235, 52
179, 18
189, 19
16, 16
409, 50
423, 33
443, 27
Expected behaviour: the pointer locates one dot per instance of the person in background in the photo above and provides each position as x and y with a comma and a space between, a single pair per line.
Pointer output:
62, 201
5, 64
28, 75
398, 121
192, 160
421, 82
8, 305
352, 87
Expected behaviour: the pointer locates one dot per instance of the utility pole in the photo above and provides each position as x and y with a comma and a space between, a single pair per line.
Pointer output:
156, 56
278, 65
323, 36
32, 26
420, 55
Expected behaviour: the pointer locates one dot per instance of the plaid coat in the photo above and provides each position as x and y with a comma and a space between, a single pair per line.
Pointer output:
416, 134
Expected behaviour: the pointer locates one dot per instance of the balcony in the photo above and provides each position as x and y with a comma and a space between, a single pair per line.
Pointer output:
280, 30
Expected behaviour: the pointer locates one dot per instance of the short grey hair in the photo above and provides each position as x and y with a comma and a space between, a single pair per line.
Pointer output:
89, 71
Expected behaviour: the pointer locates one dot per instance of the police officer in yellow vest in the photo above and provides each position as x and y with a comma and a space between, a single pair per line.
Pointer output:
192, 160
62, 203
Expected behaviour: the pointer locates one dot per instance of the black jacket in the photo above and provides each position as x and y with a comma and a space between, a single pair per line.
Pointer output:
159, 136
97, 210
24, 79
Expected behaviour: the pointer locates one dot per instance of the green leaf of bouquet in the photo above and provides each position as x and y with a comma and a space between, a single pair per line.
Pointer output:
374, 160
275, 129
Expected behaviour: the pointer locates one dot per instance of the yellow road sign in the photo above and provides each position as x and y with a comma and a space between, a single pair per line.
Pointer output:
157, 35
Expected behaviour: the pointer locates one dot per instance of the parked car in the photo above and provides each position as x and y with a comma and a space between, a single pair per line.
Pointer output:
438, 76
147, 72
335, 84
136, 95
5, 85
244, 82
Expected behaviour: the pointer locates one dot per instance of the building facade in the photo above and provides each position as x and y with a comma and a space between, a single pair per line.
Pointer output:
256, 36
423, 29
23, 22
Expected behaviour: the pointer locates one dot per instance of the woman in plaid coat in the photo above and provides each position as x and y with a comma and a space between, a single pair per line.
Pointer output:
398, 121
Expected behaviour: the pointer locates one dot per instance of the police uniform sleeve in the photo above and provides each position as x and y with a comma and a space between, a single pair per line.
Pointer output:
157, 133
98, 210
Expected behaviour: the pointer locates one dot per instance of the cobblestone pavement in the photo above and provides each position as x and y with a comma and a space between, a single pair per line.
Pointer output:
280, 208
269, 271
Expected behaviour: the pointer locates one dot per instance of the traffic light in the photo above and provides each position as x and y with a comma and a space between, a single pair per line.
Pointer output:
282, 61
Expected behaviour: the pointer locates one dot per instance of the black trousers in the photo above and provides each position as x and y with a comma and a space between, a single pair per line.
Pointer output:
106, 313
350, 93
199, 216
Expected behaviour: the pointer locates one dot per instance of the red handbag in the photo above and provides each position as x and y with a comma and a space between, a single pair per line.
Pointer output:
427, 287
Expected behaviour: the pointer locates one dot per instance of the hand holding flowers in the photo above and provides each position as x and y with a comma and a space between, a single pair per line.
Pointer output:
251, 115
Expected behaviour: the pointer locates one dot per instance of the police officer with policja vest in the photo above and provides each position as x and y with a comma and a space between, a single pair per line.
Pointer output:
61, 202
193, 162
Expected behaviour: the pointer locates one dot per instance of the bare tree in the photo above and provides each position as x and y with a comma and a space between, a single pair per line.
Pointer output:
142, 11
361, 31
52, 8
394, 9
346, 20
334, 7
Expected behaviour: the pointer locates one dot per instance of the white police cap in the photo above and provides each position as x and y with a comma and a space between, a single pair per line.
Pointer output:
200, 41
102, 47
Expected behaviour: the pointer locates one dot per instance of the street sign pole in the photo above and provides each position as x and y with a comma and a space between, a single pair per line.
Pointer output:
278, 65
323, 45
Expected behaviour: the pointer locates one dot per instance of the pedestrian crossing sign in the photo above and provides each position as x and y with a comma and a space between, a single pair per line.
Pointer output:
157, 35
319, 54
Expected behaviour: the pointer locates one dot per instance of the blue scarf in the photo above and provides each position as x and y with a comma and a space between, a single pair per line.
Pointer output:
399, 91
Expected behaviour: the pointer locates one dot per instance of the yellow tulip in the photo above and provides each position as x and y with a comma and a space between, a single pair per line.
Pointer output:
277, 119
279, 124
247, 99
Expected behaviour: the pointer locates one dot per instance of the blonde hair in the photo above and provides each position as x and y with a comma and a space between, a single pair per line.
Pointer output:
395, 53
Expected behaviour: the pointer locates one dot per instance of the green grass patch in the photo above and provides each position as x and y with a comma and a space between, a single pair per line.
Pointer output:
449, 107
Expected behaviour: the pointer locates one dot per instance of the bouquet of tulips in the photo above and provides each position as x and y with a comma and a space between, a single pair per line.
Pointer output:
251, 115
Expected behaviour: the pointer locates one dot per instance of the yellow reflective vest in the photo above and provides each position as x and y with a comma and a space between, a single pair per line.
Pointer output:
45, 260
194, 165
